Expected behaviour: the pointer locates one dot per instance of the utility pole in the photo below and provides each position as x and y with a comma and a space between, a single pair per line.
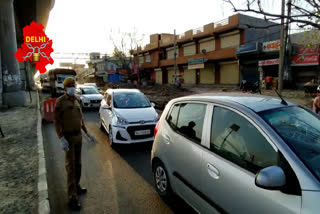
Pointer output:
282, 49
287, 40
175, 57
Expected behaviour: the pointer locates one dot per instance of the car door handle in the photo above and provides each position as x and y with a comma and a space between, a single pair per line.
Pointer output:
213, 171
166, 138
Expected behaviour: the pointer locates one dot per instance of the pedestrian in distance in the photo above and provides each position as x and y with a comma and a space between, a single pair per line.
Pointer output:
68, 122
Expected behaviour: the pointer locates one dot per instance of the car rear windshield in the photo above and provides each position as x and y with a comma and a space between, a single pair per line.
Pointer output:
130, 100
300, 129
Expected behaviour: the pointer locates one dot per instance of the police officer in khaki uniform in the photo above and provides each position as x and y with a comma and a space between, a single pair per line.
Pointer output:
69, 122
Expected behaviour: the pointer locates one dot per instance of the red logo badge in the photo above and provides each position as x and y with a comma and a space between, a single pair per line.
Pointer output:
36, 47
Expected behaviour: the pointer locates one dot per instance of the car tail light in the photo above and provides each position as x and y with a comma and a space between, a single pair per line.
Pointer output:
156, 129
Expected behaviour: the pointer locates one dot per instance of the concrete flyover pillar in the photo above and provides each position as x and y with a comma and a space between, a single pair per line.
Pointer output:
13, 95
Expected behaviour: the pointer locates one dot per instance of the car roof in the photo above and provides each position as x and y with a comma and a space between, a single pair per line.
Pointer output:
123, 90
256, 103
85, 86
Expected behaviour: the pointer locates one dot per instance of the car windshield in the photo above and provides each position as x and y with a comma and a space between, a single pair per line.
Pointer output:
300, 128
90, 90
130, 100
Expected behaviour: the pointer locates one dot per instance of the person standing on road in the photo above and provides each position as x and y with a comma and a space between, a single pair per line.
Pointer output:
68, 121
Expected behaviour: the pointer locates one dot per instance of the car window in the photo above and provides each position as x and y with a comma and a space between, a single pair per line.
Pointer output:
237, 140
300, 129
172, 117
130, 100
190, 120
90, 90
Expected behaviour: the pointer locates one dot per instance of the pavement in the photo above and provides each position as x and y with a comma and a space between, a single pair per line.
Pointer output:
19, 158
118, 181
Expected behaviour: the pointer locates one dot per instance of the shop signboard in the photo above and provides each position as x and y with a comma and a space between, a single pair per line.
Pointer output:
196, 66
306, 50
111, 71
271, 46
247, 48
305, 60
269, 62
122, 71
197, 61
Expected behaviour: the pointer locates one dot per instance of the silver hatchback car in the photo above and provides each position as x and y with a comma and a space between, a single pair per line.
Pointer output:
238, 154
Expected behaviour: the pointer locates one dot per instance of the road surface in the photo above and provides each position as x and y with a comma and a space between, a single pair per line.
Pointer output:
118, 181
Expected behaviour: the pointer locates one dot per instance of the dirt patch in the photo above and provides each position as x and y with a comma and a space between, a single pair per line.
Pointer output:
19, 159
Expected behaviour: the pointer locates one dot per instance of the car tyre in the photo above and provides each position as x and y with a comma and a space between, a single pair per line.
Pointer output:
161, 180
111, 137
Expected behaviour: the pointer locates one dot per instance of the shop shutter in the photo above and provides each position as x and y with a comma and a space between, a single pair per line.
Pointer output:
171, 75
141, 60
207, 75
189, 50
230, 40
208, 45
189, 76
229, 73
170, 53
159, 77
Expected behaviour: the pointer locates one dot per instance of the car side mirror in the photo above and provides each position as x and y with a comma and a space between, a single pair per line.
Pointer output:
271, 178
153, 104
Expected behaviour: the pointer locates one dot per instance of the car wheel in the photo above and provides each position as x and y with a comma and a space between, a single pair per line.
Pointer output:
111, 137
161, 180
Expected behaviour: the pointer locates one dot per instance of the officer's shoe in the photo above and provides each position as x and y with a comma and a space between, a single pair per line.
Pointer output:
81, 190
74, 205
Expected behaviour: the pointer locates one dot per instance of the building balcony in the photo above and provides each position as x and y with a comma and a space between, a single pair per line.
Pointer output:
204, 31
227, 24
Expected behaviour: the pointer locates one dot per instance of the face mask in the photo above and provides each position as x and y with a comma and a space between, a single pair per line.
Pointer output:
71, 91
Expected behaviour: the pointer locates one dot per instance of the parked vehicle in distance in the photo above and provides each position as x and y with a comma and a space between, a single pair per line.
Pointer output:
56, 78
88, 96
238, 154
44, 81
94, 85
128, 116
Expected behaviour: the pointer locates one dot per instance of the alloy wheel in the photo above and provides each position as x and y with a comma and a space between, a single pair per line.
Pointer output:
110, 137
161, 179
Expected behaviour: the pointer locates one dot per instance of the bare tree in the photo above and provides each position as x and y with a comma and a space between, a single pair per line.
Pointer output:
124, 44
304, 13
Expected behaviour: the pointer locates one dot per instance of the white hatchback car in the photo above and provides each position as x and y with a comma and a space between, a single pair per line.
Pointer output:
88, 96
128, 116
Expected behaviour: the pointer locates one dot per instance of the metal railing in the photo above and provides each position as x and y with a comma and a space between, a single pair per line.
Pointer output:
198, 30
222, 22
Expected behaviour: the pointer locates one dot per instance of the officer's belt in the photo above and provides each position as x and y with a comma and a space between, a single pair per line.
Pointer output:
73, 133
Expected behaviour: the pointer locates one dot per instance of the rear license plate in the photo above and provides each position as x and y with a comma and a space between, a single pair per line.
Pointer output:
142, 132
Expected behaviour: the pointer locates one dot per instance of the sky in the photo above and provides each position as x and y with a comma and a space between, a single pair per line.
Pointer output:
82, 26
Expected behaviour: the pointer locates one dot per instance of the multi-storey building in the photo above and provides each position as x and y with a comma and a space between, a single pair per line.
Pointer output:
206, 55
